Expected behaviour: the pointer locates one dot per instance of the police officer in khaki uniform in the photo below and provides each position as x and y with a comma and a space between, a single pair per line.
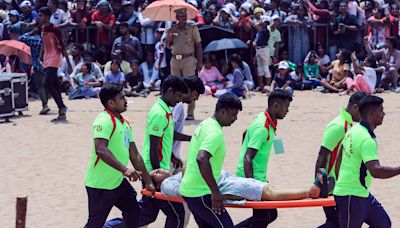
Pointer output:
187, 53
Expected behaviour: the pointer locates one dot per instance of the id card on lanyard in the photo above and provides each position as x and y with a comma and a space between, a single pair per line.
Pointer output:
278, 145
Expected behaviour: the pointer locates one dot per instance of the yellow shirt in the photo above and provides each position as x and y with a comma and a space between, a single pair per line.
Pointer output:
339, 70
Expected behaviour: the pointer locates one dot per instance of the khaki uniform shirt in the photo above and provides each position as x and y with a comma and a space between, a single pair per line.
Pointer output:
184, 40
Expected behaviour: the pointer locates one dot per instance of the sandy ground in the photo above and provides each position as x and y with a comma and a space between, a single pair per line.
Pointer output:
47, 161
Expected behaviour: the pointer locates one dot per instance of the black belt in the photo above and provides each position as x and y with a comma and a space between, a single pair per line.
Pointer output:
259, 47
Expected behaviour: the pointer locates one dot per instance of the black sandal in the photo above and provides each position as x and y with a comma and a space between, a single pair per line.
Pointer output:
44, 111
60, 118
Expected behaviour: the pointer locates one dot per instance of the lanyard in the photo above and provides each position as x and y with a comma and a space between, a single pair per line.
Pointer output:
269, 121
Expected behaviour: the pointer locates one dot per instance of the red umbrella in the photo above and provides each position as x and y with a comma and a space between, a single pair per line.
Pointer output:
164, 10
13, 47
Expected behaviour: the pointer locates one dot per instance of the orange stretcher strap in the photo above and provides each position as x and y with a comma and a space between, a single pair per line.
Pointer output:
322, 202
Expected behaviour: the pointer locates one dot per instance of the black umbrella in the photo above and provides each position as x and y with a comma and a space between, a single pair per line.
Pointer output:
210, 33
225, 44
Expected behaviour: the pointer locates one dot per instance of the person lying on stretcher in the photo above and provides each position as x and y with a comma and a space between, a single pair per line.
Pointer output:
239, 188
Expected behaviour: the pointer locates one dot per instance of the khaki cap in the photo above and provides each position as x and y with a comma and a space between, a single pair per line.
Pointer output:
181, 12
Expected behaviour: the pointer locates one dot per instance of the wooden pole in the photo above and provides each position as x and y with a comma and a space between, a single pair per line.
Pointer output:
21, 212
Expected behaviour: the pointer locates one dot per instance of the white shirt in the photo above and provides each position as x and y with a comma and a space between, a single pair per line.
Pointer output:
178, 113
325, 60
58, 17
160, 49
370, 77
274, 37
63, 70
96, 71
147, 77
147, 31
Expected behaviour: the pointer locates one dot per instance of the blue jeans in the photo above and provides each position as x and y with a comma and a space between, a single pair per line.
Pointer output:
237, 91
314, 82
205, 216
353, 211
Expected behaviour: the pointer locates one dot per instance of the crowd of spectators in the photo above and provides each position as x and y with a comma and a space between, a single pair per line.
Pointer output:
325, 45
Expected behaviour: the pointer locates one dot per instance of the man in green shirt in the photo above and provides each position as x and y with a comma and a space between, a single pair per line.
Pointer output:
356, 164
113, 147
256, 149
157, 150
204, 163
333, 136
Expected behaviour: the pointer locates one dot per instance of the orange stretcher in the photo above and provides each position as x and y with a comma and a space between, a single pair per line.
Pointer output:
322, 202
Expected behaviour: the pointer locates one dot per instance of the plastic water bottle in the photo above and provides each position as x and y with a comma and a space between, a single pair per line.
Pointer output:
8, 68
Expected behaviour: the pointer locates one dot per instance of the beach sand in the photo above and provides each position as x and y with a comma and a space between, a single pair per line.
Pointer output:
47, 161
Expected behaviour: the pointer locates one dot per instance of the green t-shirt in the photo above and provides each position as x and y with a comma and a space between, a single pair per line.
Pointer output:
311, 71
333, 136
208, 136
99, 174
259, 137
359, 147
160, 124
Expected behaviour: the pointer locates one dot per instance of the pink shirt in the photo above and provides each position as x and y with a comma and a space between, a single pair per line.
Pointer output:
52, 56
211, 75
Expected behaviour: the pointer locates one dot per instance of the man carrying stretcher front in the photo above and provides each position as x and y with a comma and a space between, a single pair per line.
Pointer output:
256, 149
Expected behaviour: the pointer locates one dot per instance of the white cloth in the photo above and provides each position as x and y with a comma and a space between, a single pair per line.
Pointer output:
352, 8
160, 49
1, 31
294, 76
178, 114
58, 17
370, 77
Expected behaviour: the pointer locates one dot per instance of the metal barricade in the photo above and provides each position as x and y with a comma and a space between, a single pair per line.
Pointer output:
88, 35
75, 33
285, 30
